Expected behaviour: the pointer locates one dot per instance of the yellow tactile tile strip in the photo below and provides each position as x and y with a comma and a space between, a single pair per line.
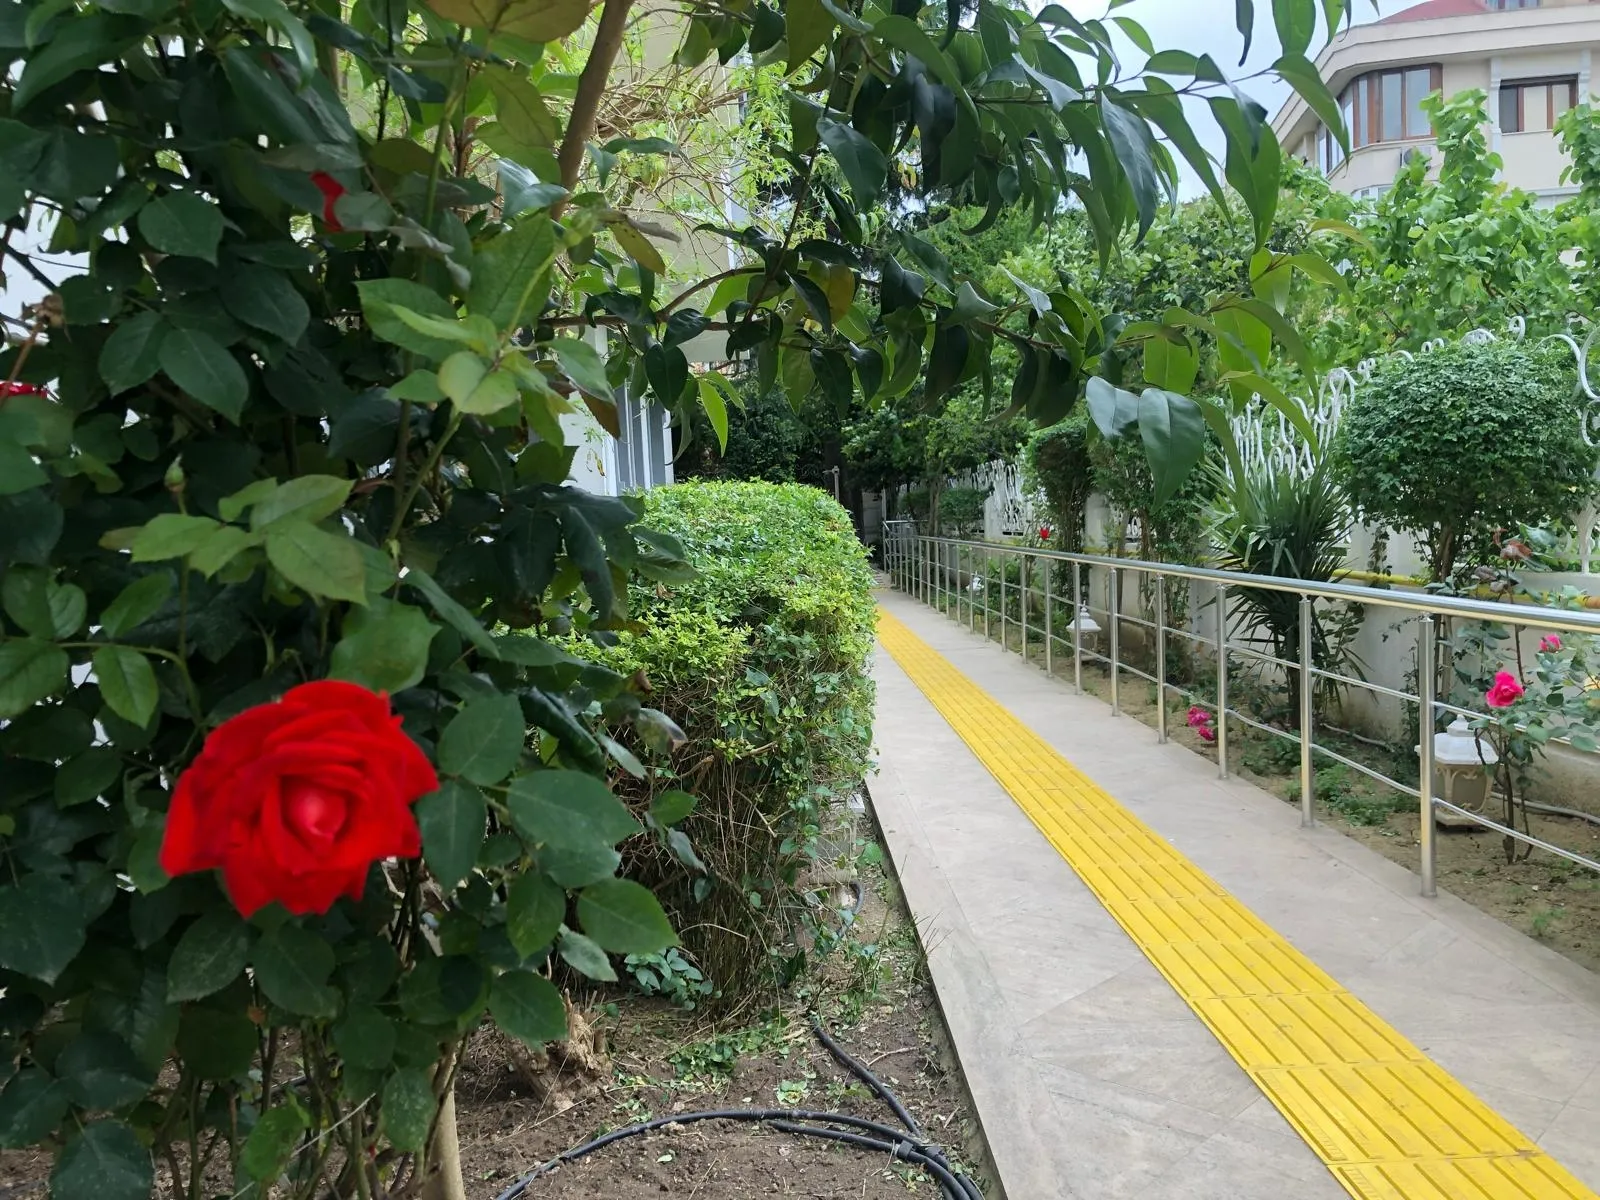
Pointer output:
1388, 1122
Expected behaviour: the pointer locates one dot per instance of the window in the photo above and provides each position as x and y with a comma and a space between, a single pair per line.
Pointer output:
1532, 105
1507, 5
1383, 106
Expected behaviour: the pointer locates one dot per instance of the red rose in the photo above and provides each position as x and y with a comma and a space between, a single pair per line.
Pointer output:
331, 190
294, 801
1507, 690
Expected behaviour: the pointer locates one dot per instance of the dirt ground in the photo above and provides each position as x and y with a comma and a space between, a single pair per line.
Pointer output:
1541, 895
875, 1000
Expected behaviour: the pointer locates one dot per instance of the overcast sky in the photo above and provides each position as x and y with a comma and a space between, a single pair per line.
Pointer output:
1207, 27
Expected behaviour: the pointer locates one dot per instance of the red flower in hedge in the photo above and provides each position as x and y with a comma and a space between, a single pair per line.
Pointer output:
294, 801
331, 190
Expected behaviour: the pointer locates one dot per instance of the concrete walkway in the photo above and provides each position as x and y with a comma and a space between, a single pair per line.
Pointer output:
1092, 1077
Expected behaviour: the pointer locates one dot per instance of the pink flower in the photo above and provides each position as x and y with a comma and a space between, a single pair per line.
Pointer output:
1549, 644
1505, 692
1200, 718
1207, 734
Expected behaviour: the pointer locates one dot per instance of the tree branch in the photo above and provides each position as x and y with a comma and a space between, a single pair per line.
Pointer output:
591, 90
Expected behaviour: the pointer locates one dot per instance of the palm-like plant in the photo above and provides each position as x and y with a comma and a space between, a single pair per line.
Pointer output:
1293, 526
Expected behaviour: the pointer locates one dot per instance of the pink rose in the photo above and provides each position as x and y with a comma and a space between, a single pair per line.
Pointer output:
1199, 718
1549, 644
1207, 734
1505, 692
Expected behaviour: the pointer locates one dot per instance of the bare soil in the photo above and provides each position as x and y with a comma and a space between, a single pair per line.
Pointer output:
875, 999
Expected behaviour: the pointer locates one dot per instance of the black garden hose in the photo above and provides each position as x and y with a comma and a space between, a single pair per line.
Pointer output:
907, 1145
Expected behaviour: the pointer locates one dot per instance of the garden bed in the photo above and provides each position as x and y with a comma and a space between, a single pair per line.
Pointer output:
875, 997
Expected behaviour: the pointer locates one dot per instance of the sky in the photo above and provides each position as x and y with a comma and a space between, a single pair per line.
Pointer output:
1207, 27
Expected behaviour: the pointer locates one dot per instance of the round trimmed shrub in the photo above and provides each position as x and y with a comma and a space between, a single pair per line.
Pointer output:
1456, 443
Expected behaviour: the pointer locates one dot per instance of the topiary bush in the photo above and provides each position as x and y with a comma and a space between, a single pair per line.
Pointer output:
761, 659
1058, 462
1456, 443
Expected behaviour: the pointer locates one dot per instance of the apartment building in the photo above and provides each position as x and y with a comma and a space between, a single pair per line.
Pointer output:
1532, 57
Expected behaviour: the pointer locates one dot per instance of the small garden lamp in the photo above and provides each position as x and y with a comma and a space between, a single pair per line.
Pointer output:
1462, 761
1086, 624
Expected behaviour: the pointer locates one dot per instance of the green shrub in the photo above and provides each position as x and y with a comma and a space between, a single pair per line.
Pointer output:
761, 660
1057, 461
961, 511
1456, 443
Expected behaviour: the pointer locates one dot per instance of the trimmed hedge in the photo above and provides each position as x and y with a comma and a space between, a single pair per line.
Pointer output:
761, 659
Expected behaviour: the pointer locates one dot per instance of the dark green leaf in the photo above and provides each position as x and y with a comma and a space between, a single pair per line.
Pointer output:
217, 1044
1135, 150
29, 671
1112, 409
384, 649
136, 604
208, 957
507, 272
408, 1109
528, 1007
1297, 25
379, 298
453, 821
127, 683
463, 621
535, 908
1244, 19
18, 471
265, 299
1306, 80
585, 957
568, 809
87, 777
671, 807
31, 1108
863, 164
201, 366
100, 1072
74, 46
182, 223
132, 354
807, 24
323, 564
581, 363
274, 1138
624, 917
1174, 433
365, 1038
104, 1162
484, 740
292, 966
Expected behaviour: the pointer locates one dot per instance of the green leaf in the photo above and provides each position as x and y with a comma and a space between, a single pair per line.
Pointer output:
528, 1007
484, 740
127, 683
304, 498
1174, 434
1297, 25
808, 25
101, 1072
716, 412
18, 470
87, 777
182, 223
458, 617
535, 908
74, 46
970, 306
637, 246
265, 299
274, 1138
222, 547
365, 1038
453, 821
671, 807
30, 670
381, 297
624, 917
208, 957
1286, 334
132, 354
1305, 79
171, 535
568, 809
906, 35
136, 604
530, 20
1135, 150
408, 1108
292, 966
486, 394
202, 366
585, 957
863, 164
104, 1162
217, 1044
41, 606
31, 1107
1244, 19
509, 271
385, 649
581, 363
1112, 409
1136, 34
321, 564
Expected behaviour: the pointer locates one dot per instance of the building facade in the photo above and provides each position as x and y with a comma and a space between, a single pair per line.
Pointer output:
1533, 58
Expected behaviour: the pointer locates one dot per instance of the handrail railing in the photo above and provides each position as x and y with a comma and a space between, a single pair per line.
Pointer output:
931, 569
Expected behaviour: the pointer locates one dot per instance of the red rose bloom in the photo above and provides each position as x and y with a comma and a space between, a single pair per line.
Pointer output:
1507, 690
294, 801
331, 190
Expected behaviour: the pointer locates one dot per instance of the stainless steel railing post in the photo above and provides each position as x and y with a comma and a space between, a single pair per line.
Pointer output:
1077, 628
1161, 658
1426, 833
1308, 814
1023, 592
1004, 571
1222, 680
986, 592
1049, 635
1113, 612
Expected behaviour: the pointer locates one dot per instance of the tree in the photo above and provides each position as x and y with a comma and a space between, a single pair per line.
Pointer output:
347, 271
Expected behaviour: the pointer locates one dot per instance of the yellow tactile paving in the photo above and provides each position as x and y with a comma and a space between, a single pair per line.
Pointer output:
1388, 1122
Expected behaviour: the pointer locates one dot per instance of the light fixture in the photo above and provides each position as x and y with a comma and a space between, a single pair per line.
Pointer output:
1085, 624
1462, 762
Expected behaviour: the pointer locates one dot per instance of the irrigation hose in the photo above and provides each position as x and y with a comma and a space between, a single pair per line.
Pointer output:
907, 1145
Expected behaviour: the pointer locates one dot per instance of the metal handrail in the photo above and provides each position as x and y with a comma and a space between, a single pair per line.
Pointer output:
931, 568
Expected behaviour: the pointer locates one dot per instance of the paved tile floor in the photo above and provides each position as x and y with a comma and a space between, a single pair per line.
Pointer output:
1092, 1078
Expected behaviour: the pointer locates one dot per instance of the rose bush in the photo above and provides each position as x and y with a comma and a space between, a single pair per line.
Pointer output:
296, 800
